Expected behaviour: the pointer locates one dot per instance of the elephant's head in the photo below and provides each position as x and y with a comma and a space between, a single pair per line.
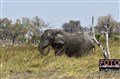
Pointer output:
50, 38
44, 41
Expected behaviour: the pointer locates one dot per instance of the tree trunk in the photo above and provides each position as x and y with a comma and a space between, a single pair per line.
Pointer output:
107, 45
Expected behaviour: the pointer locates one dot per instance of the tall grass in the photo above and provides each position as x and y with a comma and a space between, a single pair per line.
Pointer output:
25, 62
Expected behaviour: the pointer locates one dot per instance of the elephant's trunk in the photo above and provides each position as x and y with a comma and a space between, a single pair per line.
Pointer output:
43, 46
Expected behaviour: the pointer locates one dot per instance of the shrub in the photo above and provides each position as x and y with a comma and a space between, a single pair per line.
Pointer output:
102, 38
116, 37
97, 35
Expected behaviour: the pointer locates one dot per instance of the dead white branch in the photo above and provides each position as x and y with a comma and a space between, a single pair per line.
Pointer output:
101, 47
107, 40
105, 51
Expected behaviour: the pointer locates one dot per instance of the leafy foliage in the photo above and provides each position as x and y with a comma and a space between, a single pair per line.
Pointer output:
102, 22
21, 30
72, 26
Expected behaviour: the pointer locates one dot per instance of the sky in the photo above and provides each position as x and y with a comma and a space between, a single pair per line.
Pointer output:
57, 12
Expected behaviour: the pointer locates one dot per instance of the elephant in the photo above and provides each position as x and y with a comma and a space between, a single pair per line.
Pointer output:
72, 44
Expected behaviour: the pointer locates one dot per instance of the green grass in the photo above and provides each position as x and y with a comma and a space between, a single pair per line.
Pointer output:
25, 62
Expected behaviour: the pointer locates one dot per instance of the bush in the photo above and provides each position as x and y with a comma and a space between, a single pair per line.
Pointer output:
36, 39
116, 37
102, 38
97, 35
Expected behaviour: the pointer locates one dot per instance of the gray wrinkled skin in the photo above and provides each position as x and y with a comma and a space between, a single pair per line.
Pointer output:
77, 44
72, 44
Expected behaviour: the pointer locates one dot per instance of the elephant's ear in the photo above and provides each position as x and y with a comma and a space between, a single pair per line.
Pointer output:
59, 39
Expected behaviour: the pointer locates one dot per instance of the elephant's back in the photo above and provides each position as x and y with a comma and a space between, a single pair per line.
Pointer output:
78, 44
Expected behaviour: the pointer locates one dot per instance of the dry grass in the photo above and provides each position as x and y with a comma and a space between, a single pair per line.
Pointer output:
25, 62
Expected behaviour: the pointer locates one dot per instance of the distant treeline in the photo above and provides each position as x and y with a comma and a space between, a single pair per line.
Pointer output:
28, 31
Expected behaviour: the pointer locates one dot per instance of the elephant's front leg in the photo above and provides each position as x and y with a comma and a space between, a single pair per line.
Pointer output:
56, 50
60, 51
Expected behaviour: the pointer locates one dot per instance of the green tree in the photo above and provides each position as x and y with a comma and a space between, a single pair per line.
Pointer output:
102, 22
37, 24
5, 25
21, 28
72, 26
